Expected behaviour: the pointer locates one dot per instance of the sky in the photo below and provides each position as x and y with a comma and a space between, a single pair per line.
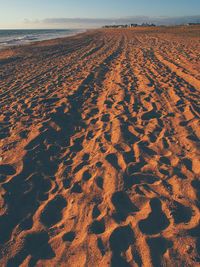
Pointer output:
62, 13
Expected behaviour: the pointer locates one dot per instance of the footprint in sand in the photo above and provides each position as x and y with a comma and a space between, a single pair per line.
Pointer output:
123, 206
120, 240
52, 212
36, 246
97, 227
76, 188
113, 160
181, 213
100, 246
96, 212
99, 182
68, 237
158, 247
139, 178
86, 175
156, 221
6, 169
129, 156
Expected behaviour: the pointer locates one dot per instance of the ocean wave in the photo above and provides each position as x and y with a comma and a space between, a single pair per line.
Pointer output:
19, 37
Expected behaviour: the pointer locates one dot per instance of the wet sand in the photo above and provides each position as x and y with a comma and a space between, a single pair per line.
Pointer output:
100, 150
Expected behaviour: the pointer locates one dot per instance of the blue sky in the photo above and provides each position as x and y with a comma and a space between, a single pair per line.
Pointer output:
32, 13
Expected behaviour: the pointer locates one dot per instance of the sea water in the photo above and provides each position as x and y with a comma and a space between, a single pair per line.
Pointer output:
18, 37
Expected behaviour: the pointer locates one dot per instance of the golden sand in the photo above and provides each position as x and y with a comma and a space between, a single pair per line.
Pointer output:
100, 150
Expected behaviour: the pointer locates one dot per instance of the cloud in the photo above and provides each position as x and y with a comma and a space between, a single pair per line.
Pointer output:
31, 21
95, 23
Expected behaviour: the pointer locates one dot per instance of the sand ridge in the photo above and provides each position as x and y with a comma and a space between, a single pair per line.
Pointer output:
100, 160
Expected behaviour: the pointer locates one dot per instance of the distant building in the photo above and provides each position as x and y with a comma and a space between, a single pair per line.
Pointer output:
132, 25
193, 23
147, 25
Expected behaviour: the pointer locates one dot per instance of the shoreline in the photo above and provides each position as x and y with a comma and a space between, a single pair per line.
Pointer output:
160, 29
28, 36
99, 149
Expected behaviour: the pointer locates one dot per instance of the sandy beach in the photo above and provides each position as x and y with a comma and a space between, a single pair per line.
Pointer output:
100, 149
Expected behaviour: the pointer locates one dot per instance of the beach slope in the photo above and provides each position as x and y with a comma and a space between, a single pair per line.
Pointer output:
100, 149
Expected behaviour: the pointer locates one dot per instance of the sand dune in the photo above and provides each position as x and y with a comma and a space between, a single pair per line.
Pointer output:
100, 150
